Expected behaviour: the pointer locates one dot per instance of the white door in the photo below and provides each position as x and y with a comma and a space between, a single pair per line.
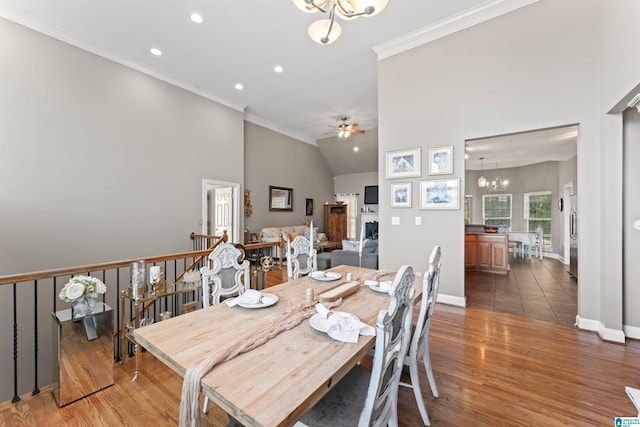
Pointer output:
223, 210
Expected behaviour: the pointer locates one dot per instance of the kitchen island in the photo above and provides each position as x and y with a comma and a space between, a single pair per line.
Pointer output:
486, 248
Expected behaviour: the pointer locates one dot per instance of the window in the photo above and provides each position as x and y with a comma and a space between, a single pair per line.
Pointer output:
537, 212
467, 209
351, 200
496, 209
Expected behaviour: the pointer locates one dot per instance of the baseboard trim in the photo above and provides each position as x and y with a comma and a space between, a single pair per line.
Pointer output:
632, 332
452, 300
606, 334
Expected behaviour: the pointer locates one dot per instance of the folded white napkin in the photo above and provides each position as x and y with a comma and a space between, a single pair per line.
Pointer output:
250, 296
344, 326
384, 285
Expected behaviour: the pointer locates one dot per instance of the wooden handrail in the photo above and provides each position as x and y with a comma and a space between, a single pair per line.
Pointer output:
223, 239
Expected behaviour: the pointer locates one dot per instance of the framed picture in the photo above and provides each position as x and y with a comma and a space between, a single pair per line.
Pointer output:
404, 164
280, 199
401, 195
440, 194
441, 160
309, 207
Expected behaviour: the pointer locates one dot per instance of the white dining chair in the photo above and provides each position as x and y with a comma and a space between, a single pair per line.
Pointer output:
364, 398
300, 255
226, 276
419, 347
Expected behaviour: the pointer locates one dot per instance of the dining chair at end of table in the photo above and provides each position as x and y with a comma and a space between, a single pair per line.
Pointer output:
419, 347
300, 255
364, 398
225, 277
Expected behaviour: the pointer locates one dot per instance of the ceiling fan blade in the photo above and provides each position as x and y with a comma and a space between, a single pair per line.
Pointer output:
356, 131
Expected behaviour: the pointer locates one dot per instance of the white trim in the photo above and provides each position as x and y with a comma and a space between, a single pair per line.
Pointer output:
463, 20
632, 331
452, 300
234, 236
606, 334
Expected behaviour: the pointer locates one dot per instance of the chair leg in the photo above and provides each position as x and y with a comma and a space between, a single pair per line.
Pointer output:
415, 383
427, 366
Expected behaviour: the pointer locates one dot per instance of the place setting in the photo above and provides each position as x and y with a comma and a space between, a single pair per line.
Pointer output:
339, 325
253, 299
325, 276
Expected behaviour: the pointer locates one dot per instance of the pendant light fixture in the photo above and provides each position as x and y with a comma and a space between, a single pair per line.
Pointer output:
482, 181
498, 184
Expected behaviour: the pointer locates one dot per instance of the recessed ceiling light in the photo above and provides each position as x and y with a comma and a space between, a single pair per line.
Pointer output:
197, 18
356, 149
278, 69
155, 51
239, 86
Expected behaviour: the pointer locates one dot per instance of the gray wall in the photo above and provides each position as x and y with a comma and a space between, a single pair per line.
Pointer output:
544, 176
355, 183
100, 162
537, 67
275, 159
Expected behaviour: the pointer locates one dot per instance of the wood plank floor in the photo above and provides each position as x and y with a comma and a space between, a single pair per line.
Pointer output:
492, 369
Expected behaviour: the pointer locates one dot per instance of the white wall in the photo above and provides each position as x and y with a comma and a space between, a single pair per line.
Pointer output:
537, 67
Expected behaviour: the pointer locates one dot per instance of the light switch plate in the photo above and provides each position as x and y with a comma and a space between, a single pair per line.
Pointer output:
395, 220
418, 220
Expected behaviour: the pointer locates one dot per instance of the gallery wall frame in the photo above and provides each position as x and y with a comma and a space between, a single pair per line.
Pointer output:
401, 195
440, 194
441, 160
404, 163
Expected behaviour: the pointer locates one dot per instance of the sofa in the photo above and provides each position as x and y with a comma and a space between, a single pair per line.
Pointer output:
348, 255
272, 234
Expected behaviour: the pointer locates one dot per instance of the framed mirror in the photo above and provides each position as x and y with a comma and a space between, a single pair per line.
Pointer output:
280, 199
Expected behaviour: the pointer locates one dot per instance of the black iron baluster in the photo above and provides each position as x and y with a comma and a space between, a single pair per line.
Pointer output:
35, 390
15, 348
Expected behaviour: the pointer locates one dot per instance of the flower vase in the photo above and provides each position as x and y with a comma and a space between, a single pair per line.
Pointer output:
85, 305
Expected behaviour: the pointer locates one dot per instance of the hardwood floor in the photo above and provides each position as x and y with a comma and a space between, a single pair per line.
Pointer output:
492, 369
540, 289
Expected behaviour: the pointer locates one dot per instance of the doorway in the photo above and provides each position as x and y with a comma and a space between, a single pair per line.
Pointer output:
535, 167
221, 208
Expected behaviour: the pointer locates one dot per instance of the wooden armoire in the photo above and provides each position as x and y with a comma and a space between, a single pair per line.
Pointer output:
335, 222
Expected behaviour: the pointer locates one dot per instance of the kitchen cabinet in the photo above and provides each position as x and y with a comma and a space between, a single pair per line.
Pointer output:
470, 251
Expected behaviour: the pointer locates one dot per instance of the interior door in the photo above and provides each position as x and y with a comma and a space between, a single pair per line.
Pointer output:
223, 210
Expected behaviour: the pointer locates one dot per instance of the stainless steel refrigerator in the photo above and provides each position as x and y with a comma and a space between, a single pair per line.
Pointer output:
573, 238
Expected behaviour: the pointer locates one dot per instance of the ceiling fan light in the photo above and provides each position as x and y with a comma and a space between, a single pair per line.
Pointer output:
307, 6
319, 31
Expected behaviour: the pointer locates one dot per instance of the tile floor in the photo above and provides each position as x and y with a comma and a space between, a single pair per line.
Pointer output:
540, 289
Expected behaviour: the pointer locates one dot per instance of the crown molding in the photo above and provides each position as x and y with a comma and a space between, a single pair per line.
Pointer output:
464, 20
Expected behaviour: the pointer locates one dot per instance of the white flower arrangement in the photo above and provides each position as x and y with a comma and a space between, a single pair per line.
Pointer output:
79, 286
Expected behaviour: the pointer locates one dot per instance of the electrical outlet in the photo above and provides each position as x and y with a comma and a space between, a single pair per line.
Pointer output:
395, 220
418, 220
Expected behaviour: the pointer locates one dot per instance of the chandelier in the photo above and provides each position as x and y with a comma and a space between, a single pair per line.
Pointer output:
325, 31
497, 184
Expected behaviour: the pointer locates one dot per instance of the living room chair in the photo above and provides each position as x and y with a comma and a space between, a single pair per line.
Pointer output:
364, 398
419, 348
299, 256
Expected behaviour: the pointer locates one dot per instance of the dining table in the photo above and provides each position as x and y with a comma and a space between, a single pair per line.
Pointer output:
276, 383
526, 239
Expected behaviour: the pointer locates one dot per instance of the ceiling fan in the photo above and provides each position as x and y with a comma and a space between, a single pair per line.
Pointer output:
344, 129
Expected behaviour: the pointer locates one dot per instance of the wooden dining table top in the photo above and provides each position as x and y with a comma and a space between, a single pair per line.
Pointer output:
278, 382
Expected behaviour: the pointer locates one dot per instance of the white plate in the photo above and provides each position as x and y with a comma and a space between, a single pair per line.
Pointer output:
325, 276
272, 301
319, 322
377, 288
